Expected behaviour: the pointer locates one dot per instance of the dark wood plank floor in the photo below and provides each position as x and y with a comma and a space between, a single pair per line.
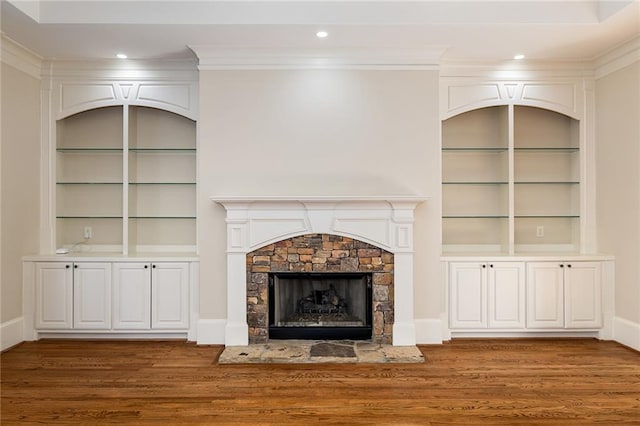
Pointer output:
563, 382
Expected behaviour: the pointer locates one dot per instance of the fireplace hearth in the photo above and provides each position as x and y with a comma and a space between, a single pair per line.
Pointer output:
320, 306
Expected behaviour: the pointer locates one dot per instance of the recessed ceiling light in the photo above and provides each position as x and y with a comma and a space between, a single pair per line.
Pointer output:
518, 56
322, 34
121, 56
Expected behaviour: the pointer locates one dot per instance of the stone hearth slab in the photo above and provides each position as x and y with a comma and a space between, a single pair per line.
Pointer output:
319, 351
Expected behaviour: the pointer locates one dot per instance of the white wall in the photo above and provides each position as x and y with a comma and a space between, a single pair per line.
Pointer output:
20, 168
318, 132
618, 188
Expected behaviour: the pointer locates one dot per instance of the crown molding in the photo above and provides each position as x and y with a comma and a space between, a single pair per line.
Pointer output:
516, 70
216, 58
618, 58
14, 54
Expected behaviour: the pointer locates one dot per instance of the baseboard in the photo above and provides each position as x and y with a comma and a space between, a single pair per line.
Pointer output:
211, 331
11, 333
429, 331
626, 332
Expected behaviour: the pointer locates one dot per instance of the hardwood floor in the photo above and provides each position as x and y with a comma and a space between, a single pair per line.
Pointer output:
563, 382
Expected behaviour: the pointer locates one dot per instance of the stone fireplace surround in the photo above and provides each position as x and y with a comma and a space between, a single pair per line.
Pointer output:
383, 221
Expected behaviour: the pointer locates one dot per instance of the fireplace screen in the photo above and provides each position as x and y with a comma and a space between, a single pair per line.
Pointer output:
320, 306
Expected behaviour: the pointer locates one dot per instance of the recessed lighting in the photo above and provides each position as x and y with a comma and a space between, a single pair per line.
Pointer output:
322, 34
121, 56
518, 56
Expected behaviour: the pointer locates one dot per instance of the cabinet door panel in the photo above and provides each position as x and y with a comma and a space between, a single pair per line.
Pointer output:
92, 296
582, 295
545, 295
468, 295
131, 296
170, 296
506, 290
54, 295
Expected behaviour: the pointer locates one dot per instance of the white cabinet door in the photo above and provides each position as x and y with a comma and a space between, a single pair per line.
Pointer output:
169, 295
545, 295
468, 295
582, 295
131, 296
92, 295
506, 293
54, 295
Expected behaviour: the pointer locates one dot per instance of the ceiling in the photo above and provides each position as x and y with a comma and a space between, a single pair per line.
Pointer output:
471, 30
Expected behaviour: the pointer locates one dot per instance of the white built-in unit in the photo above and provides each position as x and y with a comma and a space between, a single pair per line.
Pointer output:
119, 181
118, 296
129, 189
511, 180
517, 209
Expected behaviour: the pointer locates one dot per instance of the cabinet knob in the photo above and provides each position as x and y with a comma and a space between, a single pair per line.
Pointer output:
562, 265
75, 266
491, 266
569, 266
67, 266
484, 266
146, 266
153, 266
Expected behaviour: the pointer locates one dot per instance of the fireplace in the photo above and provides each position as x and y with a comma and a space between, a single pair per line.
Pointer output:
260, 227
320, 306
294, 274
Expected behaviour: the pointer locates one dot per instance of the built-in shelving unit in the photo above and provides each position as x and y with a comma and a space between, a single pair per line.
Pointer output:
129, 174
510, 181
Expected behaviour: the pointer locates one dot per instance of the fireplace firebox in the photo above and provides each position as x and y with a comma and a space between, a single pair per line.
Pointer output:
320, 305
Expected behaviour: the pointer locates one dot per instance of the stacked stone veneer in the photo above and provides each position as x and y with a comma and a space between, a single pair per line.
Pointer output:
319, 253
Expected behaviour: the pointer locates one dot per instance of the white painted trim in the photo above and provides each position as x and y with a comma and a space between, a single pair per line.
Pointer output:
146, 334
523, 334
626, 332
429, 331
11, 333
211, 331
21, 58
620, 57
214, 58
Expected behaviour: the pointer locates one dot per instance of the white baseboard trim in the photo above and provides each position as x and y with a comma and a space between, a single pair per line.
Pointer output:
626, 332
429, 331
11, 333
211, 331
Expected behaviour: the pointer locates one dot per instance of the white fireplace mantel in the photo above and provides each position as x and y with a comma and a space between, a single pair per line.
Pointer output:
256, 221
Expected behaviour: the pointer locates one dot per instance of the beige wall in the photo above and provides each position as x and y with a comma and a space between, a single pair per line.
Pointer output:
618, 182
318, 132
20, 182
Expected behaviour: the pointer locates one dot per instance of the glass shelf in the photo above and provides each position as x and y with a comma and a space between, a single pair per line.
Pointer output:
162, 217
476, 217
162, 150
471, 149
476, 183
88, 217
568, 216
549, 149
88, 183
89, 150
547, 183
162, 183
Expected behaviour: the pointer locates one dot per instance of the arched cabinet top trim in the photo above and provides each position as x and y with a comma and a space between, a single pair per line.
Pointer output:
178, 98
564, 98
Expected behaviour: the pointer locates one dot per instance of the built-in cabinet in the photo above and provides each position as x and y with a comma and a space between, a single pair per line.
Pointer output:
511, 181
126, 181
524, 295
564, 294
487, 295
111, 296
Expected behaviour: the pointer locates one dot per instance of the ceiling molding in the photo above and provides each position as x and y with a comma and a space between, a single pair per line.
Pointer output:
618, 58
20, 57
213, 57
516, 70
